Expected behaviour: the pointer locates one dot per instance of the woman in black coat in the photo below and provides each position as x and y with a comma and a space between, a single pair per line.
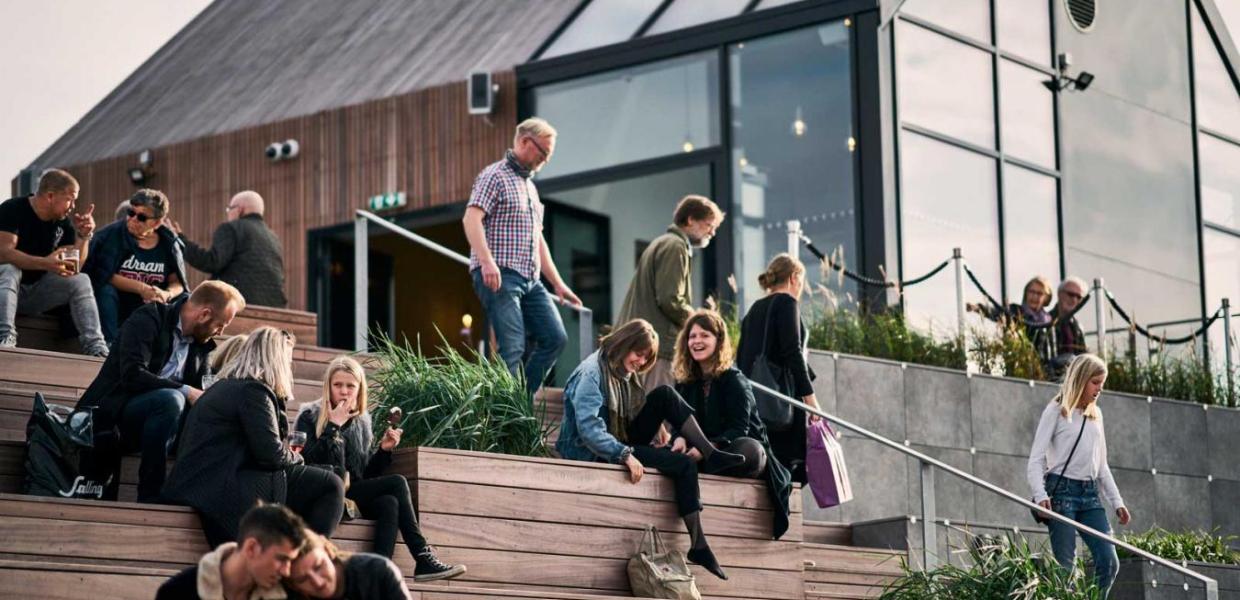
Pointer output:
233, 454
723, 404
773, 325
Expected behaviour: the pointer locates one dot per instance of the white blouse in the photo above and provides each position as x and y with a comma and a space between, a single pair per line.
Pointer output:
1053, 442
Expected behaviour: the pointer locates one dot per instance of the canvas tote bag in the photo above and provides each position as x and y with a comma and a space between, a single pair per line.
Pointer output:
656, 572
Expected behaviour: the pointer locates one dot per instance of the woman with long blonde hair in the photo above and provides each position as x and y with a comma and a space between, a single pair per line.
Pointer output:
340, 437
1068, 465
609, 417
233, 451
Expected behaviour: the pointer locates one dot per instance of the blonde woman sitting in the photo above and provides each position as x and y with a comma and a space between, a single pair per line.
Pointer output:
339, 437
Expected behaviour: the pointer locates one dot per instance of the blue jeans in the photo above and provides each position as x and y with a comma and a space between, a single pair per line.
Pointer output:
522, 310
108, 298
1078, 500
148, 424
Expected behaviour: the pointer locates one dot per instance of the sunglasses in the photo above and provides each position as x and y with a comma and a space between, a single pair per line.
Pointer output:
133, 214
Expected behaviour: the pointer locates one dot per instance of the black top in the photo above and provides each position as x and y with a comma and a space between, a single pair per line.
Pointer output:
150, 266
245, 254
143, 346
232, 453
1069, 339
35, 236
342, 449
787, 337
373, 577
114, 251
182, 586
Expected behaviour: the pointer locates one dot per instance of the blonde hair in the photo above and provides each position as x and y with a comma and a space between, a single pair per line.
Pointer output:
267, 356
217, 295
226, 352
637, 335
780, 270
684, 368
341, 364
1083, 368
314, 541
1046, 289
533, 127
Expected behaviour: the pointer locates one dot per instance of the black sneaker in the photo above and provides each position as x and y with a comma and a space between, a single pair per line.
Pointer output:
430, 568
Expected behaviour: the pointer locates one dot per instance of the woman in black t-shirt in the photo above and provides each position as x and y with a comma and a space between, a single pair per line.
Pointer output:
135, 261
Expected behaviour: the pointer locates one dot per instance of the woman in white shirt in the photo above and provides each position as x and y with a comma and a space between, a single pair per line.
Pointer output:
1068, 481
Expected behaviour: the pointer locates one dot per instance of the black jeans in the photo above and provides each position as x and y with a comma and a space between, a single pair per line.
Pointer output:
386, 499
317, 495
664, 404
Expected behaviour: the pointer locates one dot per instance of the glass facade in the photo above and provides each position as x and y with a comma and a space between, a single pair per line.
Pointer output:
967, 17
792, 150
1028, 112
600, 23
687, 13
1220, 181
945, 85
1023, 28
1030, 228
632, 114
1218, 105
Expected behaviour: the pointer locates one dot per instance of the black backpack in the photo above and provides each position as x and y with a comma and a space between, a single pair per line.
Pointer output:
61, 461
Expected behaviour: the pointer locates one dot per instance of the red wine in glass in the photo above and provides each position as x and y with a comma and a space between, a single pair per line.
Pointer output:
297, 441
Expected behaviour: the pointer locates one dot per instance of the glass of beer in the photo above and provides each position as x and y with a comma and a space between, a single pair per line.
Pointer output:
74, 256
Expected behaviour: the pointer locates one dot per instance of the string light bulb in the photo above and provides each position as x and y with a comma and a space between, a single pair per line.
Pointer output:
798, 124
467, 320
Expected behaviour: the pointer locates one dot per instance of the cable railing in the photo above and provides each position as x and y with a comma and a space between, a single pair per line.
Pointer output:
930, 521
361, 250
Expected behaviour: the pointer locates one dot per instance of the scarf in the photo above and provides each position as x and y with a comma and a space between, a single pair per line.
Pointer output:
516, 165
625, 398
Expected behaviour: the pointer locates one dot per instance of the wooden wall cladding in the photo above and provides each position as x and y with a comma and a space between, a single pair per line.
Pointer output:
424, 143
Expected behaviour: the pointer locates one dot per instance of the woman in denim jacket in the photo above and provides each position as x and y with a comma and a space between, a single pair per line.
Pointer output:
1068, 481
608, 417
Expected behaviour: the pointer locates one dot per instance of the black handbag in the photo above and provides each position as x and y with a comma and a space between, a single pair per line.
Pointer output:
774, 412
1037, 514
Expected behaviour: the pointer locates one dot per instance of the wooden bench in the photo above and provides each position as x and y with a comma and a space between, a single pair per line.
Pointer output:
555, 525
833, 571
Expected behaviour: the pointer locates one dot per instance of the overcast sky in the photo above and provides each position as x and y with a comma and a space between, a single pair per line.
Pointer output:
58, 58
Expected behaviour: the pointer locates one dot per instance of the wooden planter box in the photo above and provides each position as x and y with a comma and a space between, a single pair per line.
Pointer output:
1142, 580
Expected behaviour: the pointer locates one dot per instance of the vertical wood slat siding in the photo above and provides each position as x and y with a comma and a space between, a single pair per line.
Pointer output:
424, 143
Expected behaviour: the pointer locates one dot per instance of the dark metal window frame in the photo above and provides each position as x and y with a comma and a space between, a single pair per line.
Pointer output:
719, 36
997, 56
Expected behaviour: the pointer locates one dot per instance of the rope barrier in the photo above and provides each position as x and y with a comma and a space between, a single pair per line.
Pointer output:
977, 284
1052, 323
1162, 339
862, 279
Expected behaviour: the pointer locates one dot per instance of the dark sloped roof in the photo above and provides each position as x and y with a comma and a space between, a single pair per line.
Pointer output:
242, 63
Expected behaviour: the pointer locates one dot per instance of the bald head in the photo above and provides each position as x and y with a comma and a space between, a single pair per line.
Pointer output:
245, 203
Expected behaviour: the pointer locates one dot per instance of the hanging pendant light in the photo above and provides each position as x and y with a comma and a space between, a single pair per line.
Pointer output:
798, 124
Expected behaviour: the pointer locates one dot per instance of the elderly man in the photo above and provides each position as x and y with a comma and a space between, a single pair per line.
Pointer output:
41, 252
504, 224
244, 253
1069, 338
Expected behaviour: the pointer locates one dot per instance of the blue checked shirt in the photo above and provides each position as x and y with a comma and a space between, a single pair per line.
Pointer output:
513, 221
174, 369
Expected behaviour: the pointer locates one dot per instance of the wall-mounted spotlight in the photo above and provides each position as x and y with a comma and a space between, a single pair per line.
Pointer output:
287, 149
140, 174
1064, 79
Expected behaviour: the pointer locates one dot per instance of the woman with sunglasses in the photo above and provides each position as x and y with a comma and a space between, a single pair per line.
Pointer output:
135, 261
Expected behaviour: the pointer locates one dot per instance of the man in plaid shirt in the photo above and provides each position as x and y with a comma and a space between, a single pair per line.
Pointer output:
504, 225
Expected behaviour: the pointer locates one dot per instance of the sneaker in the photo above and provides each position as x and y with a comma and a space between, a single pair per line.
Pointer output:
430, 568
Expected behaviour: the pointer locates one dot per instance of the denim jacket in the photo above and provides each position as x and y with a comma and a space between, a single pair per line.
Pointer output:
583, 432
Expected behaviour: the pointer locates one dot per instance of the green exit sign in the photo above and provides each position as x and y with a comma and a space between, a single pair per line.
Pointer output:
386, 201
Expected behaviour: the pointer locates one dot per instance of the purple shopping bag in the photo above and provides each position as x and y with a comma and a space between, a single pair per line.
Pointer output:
824, 466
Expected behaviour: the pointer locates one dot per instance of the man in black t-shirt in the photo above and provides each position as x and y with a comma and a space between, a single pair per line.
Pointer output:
38, 266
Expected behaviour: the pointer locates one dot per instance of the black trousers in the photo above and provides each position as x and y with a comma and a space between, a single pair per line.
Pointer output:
755, 459
386, 499
317, 495
664, 404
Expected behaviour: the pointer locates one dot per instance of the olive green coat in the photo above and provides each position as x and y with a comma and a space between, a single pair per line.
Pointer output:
661, 288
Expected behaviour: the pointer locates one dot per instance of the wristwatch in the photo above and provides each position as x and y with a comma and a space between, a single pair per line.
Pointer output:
625, 454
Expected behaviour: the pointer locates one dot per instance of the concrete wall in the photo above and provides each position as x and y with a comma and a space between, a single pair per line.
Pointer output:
1174, 462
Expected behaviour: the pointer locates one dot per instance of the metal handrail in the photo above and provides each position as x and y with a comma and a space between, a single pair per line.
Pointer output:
929, 542
360, 259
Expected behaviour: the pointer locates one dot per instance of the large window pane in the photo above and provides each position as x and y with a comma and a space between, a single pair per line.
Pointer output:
947, 200
773, 3
1222, 281
1218, 102
1220, 182
1030, 228
1028, 114
632, 114
687, 13
1024, 29
602, 22
970, 17
791, 129
945, 85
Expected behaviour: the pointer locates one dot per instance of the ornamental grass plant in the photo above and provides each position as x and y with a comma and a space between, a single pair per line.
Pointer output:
1196, 546
457, 401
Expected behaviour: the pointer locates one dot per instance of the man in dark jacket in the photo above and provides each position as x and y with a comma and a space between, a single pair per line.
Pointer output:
244, 253
1069, 339
155, 369
271, 539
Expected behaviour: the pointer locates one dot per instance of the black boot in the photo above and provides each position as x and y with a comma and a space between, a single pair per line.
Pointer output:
704, 558
715, 460
430, 568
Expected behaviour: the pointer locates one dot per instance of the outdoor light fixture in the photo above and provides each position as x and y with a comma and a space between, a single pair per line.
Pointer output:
138, 176
687, 146
277, 151
1063, 80
141, 173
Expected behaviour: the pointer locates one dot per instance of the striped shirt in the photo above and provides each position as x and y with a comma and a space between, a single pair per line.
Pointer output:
513, 221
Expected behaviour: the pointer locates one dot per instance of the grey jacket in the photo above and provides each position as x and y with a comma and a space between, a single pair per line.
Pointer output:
246, 254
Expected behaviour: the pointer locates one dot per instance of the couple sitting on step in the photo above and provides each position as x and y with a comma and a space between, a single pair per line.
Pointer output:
715, 427
230, 439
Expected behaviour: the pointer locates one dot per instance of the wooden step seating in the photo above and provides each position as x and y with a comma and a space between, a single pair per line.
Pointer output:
558, 525
834, 571
42, 332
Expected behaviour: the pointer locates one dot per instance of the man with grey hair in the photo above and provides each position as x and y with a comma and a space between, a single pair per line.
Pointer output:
504, 224
244, 252
42, 247
1069, 338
